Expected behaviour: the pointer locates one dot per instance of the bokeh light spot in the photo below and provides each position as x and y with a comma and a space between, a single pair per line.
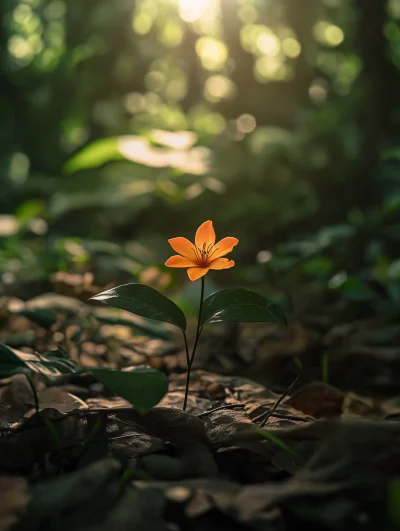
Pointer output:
246, 123
219, 87
268, 43
318, 91
212, 52
328, 34
142, 23
291, 47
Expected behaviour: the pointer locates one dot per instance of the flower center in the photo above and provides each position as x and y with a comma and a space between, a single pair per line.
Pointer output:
203, 255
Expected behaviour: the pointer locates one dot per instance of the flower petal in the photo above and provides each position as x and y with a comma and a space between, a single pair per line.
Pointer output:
221, 263
223, 247
179, 261
183, 246
197, 272
205, 235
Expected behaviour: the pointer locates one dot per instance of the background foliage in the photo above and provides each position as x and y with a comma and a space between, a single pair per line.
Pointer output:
128, 122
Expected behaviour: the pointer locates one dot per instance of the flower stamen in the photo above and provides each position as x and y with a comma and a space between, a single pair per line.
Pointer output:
214, 251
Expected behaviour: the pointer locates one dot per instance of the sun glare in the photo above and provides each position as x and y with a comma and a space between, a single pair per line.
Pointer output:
192, 10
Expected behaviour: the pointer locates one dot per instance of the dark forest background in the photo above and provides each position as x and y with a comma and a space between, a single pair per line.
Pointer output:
126, 123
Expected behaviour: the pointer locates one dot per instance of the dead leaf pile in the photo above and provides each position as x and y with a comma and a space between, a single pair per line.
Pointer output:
246, 455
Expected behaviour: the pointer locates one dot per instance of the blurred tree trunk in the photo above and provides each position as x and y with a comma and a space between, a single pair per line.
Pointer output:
376, 104
301, 18
354, 184
275, 102
11, 105
193, 70
342, 187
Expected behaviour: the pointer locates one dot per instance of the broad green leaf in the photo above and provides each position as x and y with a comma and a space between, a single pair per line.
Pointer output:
240, 305
392, 153
147, 327
273, 438
392, 205
14, 361
40, 316
140, 150
10, 363
355, 289
95, 154
393, 271
318, 266
143, 386
145, 301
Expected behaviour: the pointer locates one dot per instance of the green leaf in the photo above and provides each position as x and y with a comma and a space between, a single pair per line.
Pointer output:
95, 154
145, 301
240, 305
393, 271
355, 289
140, 150
392, 153
147, 327
10, 363
14, 361
273, 438
143, 386
298, 362
392, 205
40, 316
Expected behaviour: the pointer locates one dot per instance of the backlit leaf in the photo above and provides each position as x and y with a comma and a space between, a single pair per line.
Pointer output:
143, 386
145, 301
240, 305
14, 361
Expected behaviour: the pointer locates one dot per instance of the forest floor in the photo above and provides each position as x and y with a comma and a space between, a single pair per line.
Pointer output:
284, 427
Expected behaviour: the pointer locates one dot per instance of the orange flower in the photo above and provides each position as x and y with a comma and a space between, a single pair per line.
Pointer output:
204, 255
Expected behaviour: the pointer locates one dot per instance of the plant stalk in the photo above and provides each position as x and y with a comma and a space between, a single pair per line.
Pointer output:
198, 332
34, 392
186, 348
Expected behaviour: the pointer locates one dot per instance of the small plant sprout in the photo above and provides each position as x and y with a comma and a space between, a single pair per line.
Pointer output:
228, 305
199, 258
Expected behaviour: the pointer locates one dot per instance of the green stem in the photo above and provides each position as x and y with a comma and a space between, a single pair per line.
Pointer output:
198, 332
91, 437
187, 387
186, 348
325, 367
56, 440
124, 480
33, 389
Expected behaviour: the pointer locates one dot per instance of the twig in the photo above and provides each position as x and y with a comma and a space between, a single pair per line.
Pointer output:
288, 417
288, 390
228, 406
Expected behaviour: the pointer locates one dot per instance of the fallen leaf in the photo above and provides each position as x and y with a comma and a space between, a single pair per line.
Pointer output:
321, 400
318, 400
57, 398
